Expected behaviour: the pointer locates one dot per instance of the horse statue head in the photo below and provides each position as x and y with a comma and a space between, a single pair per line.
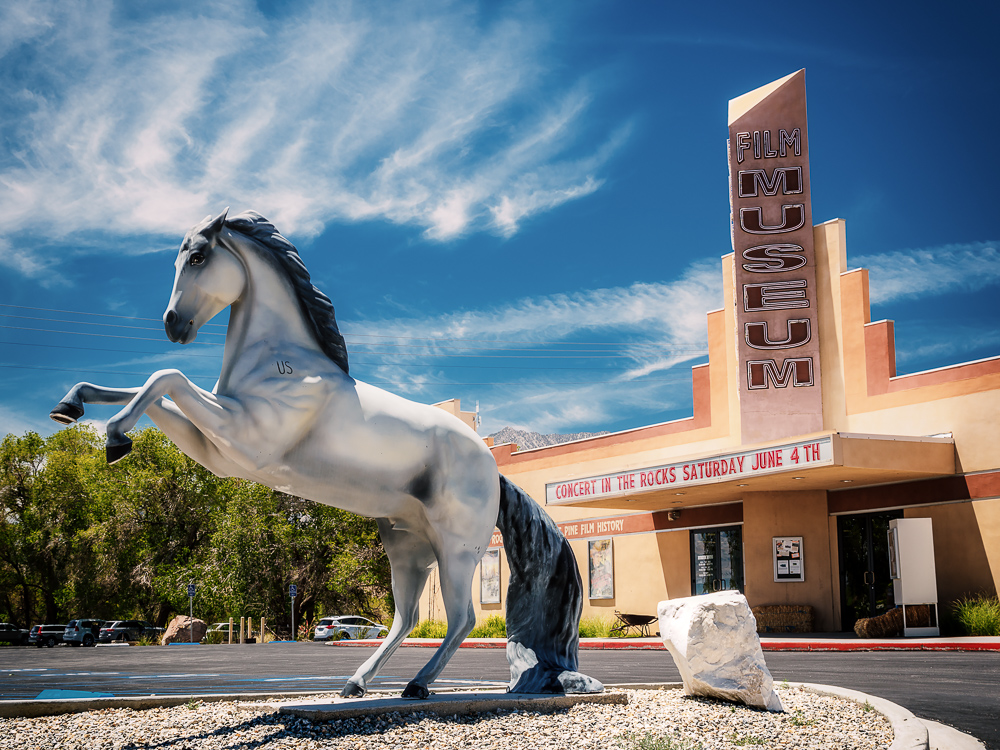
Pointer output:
210, 274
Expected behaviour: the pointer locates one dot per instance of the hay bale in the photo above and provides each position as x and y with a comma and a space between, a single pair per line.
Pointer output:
784, 618
884, 626
919, 616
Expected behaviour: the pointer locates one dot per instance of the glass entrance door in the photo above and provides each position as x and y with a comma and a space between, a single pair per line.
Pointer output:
865, 583
716, 559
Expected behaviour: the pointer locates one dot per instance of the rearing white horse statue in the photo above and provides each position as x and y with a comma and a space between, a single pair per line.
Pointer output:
286, 413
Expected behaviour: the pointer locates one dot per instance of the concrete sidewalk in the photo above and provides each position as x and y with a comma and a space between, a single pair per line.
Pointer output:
784, 642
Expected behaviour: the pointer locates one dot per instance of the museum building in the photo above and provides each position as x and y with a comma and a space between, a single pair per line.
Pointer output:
806, 454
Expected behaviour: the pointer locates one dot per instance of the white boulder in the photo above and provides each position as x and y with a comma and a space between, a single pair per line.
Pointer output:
713, 639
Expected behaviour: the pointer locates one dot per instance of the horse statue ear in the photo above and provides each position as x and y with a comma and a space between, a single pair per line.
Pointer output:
217, 223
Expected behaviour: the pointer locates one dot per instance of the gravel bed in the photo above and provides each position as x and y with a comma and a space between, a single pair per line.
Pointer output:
652, 720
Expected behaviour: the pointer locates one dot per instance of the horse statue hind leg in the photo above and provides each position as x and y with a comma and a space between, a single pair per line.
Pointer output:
412, 558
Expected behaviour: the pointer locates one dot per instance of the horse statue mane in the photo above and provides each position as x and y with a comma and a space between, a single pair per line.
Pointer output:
317, 308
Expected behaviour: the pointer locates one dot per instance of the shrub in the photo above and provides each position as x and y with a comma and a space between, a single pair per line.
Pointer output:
596, 626
979, 615
429, 629
494, 626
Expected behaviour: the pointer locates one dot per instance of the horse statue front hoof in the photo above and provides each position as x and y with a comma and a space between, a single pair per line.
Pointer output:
353, 690
66, 413
416, 691
116, 453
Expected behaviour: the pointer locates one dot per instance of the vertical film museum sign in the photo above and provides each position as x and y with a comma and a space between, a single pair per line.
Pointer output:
777, 327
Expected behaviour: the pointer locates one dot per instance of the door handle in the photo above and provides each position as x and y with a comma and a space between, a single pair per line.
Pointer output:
869, 578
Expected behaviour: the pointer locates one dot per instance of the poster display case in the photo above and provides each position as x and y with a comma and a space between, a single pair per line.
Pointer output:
489, 577
788, 563
601, 567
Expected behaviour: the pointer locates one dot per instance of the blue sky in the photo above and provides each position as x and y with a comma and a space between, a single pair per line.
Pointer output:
521, 204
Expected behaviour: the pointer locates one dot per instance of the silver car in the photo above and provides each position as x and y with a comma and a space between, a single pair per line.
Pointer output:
82, 632
348, 627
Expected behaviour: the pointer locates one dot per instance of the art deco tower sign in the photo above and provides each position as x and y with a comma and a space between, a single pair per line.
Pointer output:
775, 263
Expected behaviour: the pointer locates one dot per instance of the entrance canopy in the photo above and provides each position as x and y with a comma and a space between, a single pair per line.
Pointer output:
822, 461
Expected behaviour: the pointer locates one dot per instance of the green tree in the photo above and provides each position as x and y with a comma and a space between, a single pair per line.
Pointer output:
157, 521
79, 537
266, 540
46, 511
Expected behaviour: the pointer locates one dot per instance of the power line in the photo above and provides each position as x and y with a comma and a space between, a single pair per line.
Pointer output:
96, 372
100, 335
81, 312
102, 349
88, 323
371, 335
403, 383
354, 360
510, 353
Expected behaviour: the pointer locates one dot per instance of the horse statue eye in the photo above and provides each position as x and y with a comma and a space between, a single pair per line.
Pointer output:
197, 259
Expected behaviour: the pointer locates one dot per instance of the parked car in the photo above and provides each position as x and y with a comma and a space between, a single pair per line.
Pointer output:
222, 629
348, 627
13, 635
127, 630
46, 635
83, 632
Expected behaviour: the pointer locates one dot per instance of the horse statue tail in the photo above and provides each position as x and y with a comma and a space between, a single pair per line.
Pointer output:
544, 599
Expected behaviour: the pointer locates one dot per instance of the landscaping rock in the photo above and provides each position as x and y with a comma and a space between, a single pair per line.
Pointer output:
713, 639
179, 630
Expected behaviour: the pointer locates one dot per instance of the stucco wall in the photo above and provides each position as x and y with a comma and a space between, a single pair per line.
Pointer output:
770, 514
965, 562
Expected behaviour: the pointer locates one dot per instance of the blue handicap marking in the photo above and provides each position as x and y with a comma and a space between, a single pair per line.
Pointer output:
55, 695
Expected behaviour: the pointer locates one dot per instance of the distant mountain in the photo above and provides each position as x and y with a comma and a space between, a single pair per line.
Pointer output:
526, 440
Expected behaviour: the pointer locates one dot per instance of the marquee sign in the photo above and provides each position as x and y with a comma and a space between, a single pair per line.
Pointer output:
713, 470
776, 318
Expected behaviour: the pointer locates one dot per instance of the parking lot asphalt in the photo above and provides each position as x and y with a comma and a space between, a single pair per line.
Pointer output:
959, 689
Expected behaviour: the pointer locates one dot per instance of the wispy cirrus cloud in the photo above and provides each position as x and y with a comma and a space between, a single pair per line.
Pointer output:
31, 265
927, 271
674, 311
947, 344
135, 123
657, 330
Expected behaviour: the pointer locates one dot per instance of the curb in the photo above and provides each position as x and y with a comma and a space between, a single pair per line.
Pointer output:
908, 731
834, 646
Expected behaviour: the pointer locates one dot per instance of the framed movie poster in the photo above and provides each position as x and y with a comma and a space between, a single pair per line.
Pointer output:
602, 569
489, 577
788, 559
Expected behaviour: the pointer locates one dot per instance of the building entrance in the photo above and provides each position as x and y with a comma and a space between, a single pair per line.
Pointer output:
716, 559
865, 584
